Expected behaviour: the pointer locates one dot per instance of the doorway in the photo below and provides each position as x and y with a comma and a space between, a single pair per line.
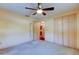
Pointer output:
39, 30
42, 31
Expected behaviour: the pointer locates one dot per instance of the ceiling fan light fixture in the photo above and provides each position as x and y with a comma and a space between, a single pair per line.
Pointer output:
39, 11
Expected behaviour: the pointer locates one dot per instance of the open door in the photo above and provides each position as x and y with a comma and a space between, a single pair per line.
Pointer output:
41, 32
38, 30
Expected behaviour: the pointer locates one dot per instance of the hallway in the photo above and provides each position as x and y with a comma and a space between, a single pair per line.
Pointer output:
39, 48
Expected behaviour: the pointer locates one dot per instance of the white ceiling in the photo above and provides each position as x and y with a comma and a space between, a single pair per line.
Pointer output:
20, 8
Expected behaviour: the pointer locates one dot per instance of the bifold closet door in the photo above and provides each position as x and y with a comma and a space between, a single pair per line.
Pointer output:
55, 30
58, 30
65, 30
77, 42
72, 30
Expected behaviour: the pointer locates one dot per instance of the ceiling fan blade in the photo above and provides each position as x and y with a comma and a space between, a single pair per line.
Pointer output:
43, 13
34, 13
48, 9
30, 8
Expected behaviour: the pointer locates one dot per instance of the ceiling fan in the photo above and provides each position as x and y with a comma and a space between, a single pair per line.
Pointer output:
39, 9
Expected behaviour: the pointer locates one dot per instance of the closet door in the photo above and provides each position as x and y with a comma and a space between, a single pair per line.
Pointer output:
72, 30
58, 30
77, 43
65, 30
55, 30
75, 40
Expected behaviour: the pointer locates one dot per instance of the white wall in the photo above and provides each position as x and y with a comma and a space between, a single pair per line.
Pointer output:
14, 29
49, 30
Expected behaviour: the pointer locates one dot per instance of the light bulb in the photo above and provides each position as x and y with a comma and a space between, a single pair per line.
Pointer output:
39, 11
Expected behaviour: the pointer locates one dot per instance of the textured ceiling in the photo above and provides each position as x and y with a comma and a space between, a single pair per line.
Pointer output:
20, 8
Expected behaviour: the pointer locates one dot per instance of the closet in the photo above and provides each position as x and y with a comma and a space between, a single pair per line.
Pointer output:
65, 30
